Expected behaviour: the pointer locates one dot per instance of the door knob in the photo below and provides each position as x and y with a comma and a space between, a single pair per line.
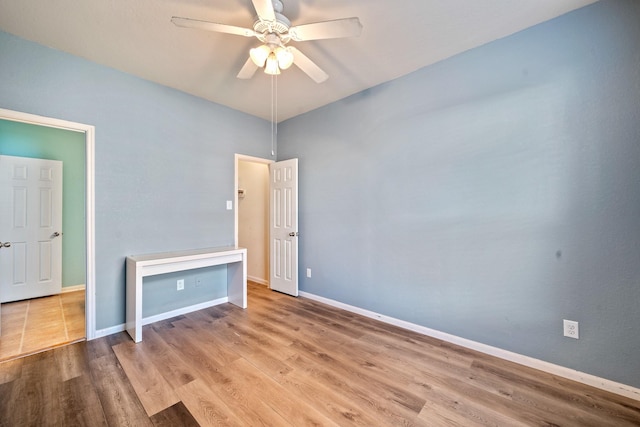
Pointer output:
56, 234
5, 245
293, 234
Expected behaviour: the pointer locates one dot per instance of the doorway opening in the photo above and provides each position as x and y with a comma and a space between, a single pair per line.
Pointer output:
252, 214
76, 294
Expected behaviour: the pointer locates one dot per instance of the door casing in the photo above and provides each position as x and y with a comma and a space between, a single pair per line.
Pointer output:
89, 132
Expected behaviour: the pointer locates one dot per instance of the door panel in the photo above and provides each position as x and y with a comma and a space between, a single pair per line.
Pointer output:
31, 223
284, 226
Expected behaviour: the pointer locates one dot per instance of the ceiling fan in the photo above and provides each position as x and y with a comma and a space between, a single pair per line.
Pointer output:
274, 30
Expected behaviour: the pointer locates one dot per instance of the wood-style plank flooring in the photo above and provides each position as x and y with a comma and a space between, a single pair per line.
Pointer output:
39, 324
290, 362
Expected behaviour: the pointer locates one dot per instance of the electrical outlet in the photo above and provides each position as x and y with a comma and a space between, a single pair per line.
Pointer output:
229, 205
180, 285
308, 272
571, 329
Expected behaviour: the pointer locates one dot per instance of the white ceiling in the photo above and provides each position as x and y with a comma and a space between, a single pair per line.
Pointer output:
398, 38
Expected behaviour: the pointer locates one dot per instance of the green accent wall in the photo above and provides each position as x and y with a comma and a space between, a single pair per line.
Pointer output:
27, 140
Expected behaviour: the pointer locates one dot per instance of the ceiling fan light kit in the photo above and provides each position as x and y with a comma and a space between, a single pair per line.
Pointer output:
272, 56
274, 30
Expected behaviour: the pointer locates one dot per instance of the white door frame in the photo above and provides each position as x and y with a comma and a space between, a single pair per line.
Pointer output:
89, 132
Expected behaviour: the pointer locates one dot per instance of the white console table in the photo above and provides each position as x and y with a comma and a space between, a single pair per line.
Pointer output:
140, 266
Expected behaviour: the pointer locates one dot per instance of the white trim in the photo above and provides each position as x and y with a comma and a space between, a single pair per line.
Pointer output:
90, 295
75, 288
109, 331
561, 371
258, 280
89, 132
184, 310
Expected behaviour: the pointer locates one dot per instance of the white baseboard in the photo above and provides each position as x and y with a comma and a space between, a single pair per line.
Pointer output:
151, 319
258, 280
184, 310
108, 331
561, 371
74, 288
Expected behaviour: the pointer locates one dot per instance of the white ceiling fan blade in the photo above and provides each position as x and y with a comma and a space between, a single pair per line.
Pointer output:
248, 70
265, 11
347, 27
308, 66
212, 26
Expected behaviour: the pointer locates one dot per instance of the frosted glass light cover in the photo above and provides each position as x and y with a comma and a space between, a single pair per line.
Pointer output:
272, 65
285, 58
259, 55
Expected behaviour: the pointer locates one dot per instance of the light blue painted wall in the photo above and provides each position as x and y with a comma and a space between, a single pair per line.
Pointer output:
160, 291
27, 140
164, 160
490, 195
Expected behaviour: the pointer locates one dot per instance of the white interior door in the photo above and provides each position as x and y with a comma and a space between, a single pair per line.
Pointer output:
283, 220
30, 228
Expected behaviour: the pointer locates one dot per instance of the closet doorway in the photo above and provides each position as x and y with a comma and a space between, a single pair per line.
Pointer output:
252, 214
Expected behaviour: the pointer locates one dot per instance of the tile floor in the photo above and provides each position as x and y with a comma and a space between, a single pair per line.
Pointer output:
39, 324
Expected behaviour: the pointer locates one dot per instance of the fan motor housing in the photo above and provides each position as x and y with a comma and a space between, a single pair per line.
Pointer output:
280, 26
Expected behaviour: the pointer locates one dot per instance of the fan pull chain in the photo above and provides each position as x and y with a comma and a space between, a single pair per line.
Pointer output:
274, 115
273, 152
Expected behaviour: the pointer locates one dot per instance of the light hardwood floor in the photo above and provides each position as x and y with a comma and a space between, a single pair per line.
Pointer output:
40, 324
290, 362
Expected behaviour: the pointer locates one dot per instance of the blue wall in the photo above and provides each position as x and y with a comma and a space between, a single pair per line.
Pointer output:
164, 160
160, 291
490, 195
27, 140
